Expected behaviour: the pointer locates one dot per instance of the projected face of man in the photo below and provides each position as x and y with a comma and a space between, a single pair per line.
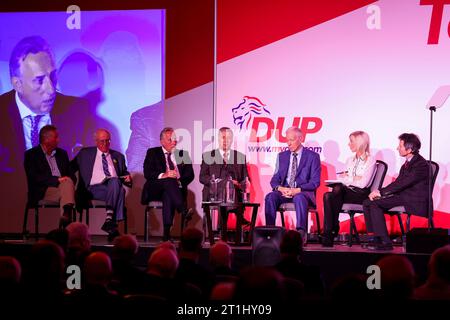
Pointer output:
169, 140
103, 140
225, 139
294, 139
36, 82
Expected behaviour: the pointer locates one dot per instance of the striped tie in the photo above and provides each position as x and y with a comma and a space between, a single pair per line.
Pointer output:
35, 129
293, 170
105, 165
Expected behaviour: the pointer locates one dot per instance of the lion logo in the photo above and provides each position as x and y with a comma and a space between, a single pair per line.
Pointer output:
244, 112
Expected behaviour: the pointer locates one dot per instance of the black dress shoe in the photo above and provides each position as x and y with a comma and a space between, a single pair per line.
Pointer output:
327, 241
109, 226
112, 235
383, 246
64, 221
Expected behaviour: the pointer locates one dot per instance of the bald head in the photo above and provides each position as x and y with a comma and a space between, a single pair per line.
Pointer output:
440, 264
10, 270
79, 238
397, 276
102, 139
220, 255
163, 262
167, 245
125, 247
97, 268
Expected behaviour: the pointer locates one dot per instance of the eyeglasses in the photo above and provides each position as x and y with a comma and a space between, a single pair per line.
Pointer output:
105, 141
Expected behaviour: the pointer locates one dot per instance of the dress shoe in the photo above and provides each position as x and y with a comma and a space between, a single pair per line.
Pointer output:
383, 246
64, 221
109, 226
304, 236
327, 241
112, 235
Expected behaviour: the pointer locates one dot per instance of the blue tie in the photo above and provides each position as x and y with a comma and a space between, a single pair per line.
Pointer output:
293, 170
35, 129
105, 165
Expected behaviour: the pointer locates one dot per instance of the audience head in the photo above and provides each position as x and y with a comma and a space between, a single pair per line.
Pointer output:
10, 270
397, 277
439, 266
191, 243
125, 247
259, 284
352, 286
292, 243
220, 255
79, 238
60, 237
163, 263
359, 142
98, 269
409, 144
223, 291
167, 245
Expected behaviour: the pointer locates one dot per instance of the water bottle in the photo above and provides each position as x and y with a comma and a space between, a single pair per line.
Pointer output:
246, 190
229, 190
213, 189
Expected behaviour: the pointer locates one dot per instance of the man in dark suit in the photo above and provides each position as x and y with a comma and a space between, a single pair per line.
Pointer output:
102, 174
410, 190
168, 172
296, 179
49, 174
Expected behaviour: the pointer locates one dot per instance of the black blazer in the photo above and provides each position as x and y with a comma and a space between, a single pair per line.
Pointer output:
39, 174
84, 164
155, 164
412, 185
212, 163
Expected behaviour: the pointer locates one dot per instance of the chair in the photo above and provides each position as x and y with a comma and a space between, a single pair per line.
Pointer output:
152, 205
397, 211
100, 204
290, 206
42, 204
352, 208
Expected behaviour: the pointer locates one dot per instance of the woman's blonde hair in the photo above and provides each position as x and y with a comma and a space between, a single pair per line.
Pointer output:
362, 141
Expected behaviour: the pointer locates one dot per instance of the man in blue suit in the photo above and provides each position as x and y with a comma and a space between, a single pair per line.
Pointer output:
102, 173
296, 177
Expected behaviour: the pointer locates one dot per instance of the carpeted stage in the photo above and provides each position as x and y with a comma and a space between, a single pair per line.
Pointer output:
333, 262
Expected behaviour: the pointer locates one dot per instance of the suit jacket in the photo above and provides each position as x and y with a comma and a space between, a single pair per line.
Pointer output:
308, 172
212, 163
39, 174
155, 164
84, 163
412, 185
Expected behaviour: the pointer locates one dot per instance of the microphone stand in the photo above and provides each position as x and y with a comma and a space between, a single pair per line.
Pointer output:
430, 174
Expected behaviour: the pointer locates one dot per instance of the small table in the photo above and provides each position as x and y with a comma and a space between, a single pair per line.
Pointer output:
239, 206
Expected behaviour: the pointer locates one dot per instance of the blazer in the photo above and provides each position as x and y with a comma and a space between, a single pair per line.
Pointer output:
84, 164
39, 174
212, 163
155, 164
308, 172
412, 185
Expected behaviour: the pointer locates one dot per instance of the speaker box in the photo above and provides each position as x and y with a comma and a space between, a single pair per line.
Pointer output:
266, 245
424, 240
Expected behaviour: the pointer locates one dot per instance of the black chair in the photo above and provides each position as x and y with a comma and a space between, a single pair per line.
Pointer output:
352, 208
153, 205
42, 204
100, 204
290, 206
399, 210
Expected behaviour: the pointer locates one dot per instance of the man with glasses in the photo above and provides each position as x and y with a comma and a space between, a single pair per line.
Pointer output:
103, 172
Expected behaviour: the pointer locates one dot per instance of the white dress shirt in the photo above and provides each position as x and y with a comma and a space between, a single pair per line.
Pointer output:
172, 156
25, 114
359, 167
98, 175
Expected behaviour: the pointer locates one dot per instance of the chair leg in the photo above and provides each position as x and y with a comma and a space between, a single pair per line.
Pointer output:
318, 223
400, 222
352, 221
146, 224
81, 215
125, 221
408, 223
36, 223
87, 216
25, 222
182, 224
282, 218
431, 223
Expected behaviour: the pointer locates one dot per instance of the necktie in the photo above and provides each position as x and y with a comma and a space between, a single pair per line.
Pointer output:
35, 129
170, 162
105, 165
225, 157
293, 170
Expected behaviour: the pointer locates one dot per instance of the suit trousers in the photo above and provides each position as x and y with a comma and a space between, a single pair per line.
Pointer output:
113, 193
274, 199
64, 193
374, 215
332, 205
172, 199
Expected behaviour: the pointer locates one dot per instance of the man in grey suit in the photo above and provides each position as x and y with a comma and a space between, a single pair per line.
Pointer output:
103, 172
